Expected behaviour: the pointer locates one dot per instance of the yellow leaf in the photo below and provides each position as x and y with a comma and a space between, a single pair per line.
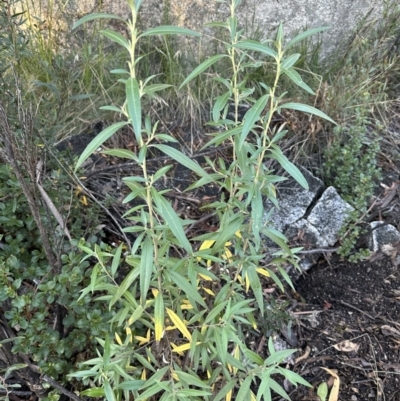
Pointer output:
180, 325
159, 317
208, 291
143, 340
236, 355
154, 292
206, 245
228, 397
143, 376
227, 255
83, 200
247, 283
204, 277
118, 338
238, 234
334, 395
129, 334
263, 272
181, 348
175, 376
253, 397
186, 304
174, 349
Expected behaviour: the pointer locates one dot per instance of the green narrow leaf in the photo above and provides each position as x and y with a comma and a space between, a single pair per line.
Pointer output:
134, 107
173, 221
149, 89
278, 389
192, 379
128, 280
305, 35
131, 385
187, 288
220, 103
182, 159
94, 16
98, 141
255, 46
169, 30
227, 232
108, 391
117, 38
161, 173
218, 139
215, 312
322, 391
257, 211
255, 285
279, 34
202, 67
93, 392
123, 153
107, 351
306, 109
112, 108
294, 76
290, 61
244, 391
277, 154
225, 390
116, 260
146, 268
252, 116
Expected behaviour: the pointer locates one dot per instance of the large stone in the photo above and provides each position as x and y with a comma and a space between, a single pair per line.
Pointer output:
382, 236
328, 216
294, 201
342, 16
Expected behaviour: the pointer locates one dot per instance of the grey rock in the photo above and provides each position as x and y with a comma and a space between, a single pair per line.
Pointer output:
294, 201
383, 236
328, 216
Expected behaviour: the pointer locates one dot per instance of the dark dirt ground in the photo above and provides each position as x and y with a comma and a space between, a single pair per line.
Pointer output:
350, 323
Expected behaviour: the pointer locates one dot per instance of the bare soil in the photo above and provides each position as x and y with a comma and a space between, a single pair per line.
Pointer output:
349, 322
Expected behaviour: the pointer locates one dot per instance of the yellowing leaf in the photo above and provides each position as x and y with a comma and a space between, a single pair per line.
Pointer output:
227, 255
181, 348
238, 234
204, 277
180, 325
186, 304
247, 283
159, 317
228, 397
143, 376
334, 395
118, 338
143, 340
252, 396
129, 334
208, 291
175, 376
83, 200
206, 245
262, 272
154, 291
